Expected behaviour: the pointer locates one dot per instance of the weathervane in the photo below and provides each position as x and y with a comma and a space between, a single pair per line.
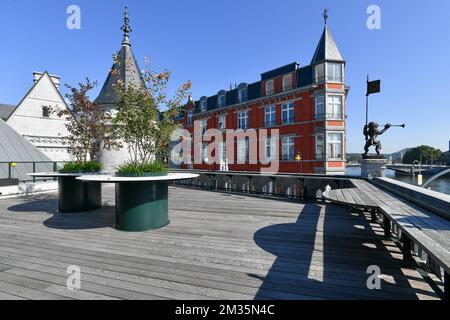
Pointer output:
126, 28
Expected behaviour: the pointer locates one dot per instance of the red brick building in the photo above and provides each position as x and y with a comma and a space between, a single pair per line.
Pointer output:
305, 103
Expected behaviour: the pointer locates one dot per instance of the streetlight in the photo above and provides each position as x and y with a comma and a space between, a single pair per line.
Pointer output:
298, 158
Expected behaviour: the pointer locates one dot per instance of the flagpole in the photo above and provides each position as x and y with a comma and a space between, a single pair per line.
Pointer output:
367, 103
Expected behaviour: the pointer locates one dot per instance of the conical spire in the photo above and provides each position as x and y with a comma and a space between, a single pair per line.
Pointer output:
327, 48
126, 29
125, 69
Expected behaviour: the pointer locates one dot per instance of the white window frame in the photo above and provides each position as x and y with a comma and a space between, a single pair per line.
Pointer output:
287, 82
335, 108
319, 72
320, 101
243, 150
287, 142
222, 152
285, 109
203, 126
222, 119
270, 149
242, 94
203, 105
331, 146
319, 155
221, 101
270, 87
190, 117
272, 112
336, 68
242, 118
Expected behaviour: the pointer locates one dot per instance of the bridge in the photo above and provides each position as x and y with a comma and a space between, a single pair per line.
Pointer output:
408, 169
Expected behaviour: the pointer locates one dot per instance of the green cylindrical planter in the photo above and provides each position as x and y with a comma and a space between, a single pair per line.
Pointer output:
142, 206
77, 196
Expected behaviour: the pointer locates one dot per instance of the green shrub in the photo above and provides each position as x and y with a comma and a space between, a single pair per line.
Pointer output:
134, 169
81, 167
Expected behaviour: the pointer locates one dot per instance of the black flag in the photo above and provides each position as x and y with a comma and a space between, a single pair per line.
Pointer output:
373, 86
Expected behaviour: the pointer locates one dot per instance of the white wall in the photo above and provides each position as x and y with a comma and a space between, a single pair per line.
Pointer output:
44, 133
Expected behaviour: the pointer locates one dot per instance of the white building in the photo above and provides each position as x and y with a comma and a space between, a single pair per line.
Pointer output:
32, 118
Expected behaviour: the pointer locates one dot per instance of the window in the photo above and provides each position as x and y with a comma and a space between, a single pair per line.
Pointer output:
242, 149
334, 72
243, 120
221, 100
270, 116
320, 143
319, 72
269, 87
270, 150
45, 112
203, 105
320, 107
288, 148
334, 107
287, 113
222, 152
334, 145
190, 117
203, 126
242, 94
287, 82
221, 122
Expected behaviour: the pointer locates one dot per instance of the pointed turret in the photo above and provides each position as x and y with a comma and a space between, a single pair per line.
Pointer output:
125, 68
327, 49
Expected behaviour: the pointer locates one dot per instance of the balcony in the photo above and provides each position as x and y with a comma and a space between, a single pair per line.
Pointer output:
330, 116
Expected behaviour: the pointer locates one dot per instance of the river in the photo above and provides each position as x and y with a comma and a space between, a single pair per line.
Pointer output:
441, 185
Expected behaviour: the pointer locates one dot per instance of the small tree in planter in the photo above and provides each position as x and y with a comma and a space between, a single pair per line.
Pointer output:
89, 132
143, 125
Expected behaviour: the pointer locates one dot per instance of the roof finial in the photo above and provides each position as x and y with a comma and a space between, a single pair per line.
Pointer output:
126, 28
325, 16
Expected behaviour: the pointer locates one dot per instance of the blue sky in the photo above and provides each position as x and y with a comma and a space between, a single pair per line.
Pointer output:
217, 42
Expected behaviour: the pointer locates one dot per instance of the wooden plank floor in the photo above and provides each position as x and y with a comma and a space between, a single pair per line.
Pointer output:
218, 246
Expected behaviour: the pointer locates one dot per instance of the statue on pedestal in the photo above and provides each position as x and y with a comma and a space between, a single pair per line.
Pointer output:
371, 132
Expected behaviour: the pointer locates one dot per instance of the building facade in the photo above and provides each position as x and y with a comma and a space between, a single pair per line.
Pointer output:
32, 117
305, 105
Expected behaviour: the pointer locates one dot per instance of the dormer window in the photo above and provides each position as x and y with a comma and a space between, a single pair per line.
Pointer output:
242, 92
334, 72
190, 117
287, 82
203, 104
221, 99
45, 112
269, 87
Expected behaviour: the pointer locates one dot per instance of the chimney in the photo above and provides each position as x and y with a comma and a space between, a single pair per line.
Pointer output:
55, 79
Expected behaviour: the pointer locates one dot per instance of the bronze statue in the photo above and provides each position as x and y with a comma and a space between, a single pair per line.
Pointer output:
371, 132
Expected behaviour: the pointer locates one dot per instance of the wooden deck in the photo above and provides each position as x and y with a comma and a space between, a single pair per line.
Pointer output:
218, 246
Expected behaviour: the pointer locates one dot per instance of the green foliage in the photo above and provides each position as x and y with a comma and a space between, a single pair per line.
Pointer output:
81, 167
146, 117
134, 169
87, 124
427, 154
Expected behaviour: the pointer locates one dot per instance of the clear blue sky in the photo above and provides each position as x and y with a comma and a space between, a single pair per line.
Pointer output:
215, 43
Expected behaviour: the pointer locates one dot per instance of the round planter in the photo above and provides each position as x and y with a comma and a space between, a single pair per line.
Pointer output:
142, 206
77, 196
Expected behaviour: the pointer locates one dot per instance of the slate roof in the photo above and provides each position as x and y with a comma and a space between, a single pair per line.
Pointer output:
6, 110
127, 68
326, 49
15, 148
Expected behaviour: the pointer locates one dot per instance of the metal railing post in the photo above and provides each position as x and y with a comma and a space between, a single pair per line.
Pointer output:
10, 170
34, 171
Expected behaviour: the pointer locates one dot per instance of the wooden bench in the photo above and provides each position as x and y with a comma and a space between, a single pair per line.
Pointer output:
430, 232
